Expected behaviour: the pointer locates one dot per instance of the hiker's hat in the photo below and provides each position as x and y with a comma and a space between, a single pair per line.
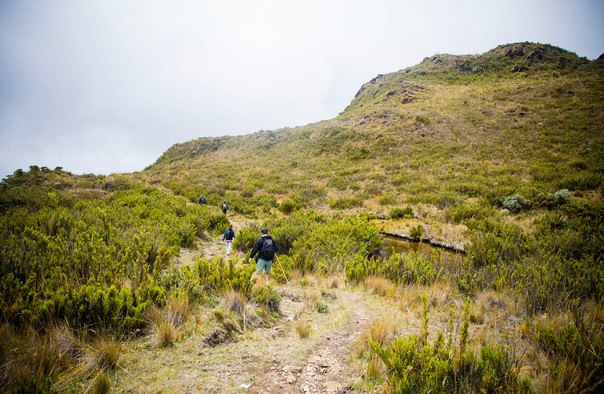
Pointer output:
264, 231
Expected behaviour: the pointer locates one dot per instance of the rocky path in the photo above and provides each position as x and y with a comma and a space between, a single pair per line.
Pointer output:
264, 360
326, 367
268, 360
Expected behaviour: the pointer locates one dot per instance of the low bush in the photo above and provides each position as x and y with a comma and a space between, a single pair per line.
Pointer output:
514, 203
414, 364
576, 350
288, 206
321, 307
401, 213
416, 231
269, 298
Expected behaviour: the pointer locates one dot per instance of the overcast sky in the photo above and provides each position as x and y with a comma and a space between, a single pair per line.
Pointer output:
101, 86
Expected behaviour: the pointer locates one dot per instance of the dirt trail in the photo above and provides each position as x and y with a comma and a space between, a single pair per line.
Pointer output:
325, 368
211, 248
263, 360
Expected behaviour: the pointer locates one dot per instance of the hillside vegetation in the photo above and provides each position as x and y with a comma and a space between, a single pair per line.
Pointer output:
522, 118
499, 156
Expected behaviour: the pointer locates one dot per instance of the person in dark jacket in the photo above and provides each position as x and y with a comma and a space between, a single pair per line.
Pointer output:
265, 247
224, 207
228, 237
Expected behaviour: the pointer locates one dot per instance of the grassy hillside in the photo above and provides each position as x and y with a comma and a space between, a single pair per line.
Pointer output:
499, 154
454, 130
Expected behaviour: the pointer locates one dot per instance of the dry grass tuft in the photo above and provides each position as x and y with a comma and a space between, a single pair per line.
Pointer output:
101, 384
294, 276
380, 286
26, 355
309, 280
235, 301
258, 285
594, 312
303, 328
335, 282
379, 332
69, 346
162, 330
104, 354
373, 369
312, 296
440, 295
164, 334
179, 307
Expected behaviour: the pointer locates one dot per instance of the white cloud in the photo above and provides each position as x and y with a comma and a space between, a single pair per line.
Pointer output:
107, 86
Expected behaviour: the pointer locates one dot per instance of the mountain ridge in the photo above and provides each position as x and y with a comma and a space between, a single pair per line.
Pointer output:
406, 134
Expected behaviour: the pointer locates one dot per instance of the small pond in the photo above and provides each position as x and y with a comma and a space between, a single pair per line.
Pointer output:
399, 245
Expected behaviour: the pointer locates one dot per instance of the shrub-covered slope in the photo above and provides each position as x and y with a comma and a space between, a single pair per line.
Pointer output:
507, 145
521, 119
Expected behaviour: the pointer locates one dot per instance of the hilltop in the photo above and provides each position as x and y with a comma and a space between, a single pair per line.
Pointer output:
451, 134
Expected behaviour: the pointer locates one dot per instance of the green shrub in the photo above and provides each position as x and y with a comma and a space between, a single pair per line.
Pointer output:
413, 364
83, 246
401, 213
269, 298
321, 307
463, 212
514, 203
552, 200
416, 231
346, 202
422, 119
288, 206
388, 199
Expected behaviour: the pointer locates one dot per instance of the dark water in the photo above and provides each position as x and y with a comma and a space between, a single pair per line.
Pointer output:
398, 245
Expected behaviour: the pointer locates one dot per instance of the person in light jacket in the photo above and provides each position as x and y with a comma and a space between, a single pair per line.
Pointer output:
228, 237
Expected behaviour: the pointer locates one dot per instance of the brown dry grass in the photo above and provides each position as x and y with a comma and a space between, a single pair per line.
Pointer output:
235, 301
26, 354
104, 353
303, 328
101, 383
162, 330
379, 332
379, 286
179, 307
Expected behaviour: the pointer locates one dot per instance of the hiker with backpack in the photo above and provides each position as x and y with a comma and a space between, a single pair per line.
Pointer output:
224, 207
265, 247
202, 200
228, 237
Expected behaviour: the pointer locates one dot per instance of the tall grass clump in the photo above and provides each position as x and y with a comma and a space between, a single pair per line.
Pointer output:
576, 351
303, 328
414, 364
162, 330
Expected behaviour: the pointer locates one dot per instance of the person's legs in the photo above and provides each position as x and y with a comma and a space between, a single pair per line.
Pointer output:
260, 267
268, 267
263, 266
229, 245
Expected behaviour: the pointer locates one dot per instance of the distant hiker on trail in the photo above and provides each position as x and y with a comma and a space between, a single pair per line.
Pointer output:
266, 247
202, 200
224, 207
228, 237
